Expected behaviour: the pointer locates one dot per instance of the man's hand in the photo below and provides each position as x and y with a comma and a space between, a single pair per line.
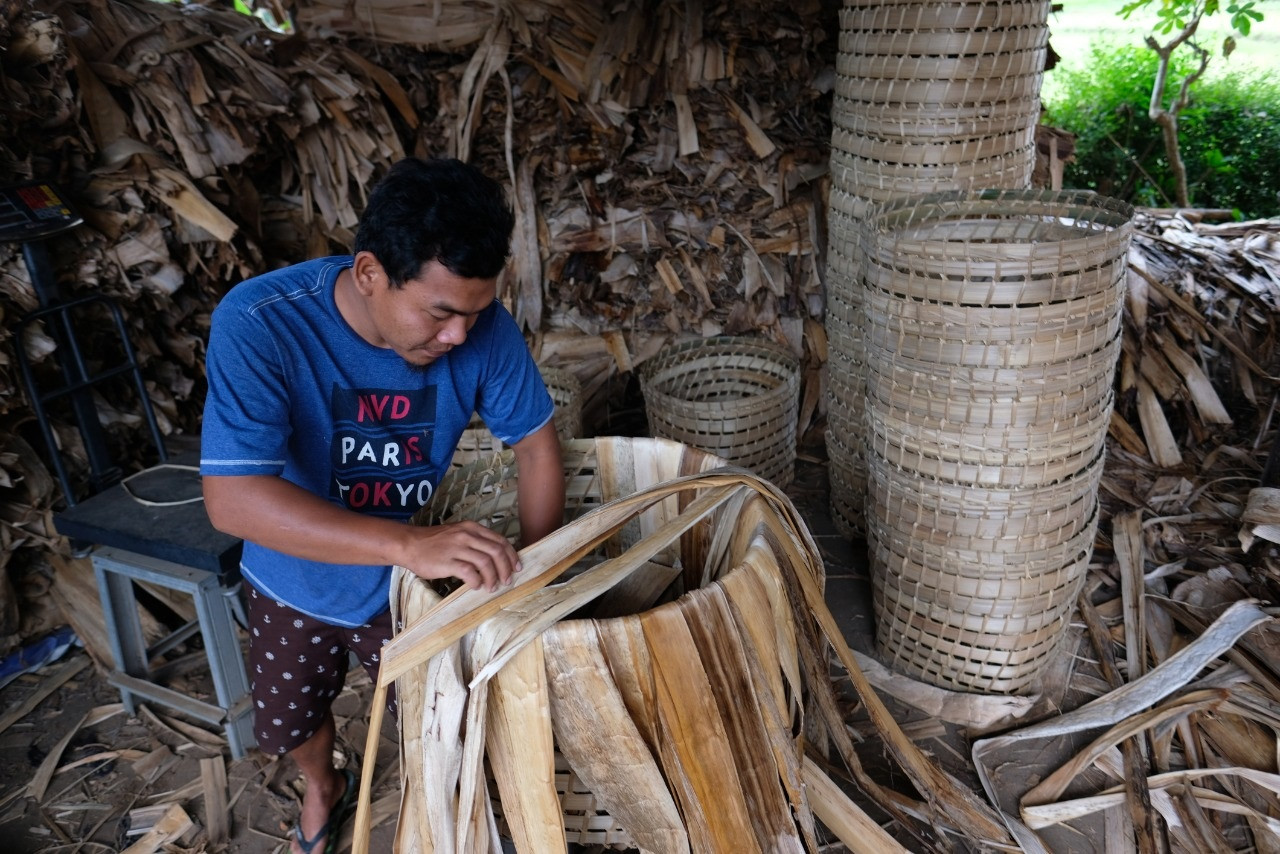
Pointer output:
467, 551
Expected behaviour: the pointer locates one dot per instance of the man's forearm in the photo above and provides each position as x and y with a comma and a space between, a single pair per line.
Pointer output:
540, 486
277, 514
282, 516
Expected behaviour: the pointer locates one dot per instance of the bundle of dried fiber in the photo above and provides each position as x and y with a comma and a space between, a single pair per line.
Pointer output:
197, 145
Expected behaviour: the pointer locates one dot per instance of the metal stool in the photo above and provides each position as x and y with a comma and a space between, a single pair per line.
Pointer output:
155, 531
171, 545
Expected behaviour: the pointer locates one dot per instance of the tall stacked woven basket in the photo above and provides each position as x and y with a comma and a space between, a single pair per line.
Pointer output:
928, 97
992, 323
973, 331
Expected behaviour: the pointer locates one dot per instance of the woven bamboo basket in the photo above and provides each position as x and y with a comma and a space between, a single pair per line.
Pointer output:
984, 602
992, 323
566, 394
985, 286
843, 391
1013, 383
961, 18
847, 482
931, 152
1022, 576
844, 388
997, 605
1046, 443
916, 66
913, 178
842, 320
948, 118
898, 121
941, 42
958, 658
1006, 470
991, 346
1028, 613
942, 92
1060, 318
843, 314
646, 682
734, 397
1015, 558
847, 466
845, 241
927, 97
949, 399
939, 512
1030, 573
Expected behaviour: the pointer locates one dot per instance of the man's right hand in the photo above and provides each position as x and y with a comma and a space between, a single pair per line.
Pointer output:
467, 551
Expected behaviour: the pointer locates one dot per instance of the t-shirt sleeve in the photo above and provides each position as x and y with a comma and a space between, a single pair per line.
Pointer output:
513, 399
245, 428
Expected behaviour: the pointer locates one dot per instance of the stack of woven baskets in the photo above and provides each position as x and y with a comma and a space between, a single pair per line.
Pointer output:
993, 322
929, 96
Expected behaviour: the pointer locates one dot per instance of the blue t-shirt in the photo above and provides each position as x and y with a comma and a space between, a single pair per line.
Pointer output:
295, 392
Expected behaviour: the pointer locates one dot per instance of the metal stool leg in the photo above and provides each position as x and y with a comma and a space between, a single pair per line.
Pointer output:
116, 569
124, 628
226, 663
235, 599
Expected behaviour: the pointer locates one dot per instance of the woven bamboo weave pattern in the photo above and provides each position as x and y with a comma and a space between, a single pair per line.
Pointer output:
863, 41
566, 394
972, 516
962, 19
734, 397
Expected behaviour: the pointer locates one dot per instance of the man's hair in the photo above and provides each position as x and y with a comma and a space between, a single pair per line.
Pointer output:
436, 210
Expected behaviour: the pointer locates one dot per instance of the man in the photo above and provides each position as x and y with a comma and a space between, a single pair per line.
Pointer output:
338, 389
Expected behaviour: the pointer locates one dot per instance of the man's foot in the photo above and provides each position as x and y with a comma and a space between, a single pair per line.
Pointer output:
324, 808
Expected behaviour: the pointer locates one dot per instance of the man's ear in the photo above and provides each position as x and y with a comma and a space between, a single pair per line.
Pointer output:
367, 273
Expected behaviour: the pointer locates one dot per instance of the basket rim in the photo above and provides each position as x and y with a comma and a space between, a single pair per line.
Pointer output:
680, 356
1108, 211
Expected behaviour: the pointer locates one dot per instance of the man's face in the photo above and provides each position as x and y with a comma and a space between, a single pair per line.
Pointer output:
426, 317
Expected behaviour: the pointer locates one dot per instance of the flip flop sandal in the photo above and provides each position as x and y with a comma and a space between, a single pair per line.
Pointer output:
337, 815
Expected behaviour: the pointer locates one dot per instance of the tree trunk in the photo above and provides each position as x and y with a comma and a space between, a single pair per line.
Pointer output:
1177, 168
1167, 118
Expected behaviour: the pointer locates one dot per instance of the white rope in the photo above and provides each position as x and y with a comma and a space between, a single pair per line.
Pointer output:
149, 503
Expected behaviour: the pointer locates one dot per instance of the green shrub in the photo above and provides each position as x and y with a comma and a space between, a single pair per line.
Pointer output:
1230, 132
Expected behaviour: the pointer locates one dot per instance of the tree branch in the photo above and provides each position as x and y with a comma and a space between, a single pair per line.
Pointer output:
1165, 52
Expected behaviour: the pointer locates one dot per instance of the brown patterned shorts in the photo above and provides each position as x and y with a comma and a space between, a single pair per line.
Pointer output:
297, 666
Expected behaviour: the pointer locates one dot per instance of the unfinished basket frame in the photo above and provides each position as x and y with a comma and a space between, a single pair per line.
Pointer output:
633, 691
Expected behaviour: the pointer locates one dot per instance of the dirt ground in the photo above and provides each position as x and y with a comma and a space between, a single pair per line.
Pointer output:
117, 770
